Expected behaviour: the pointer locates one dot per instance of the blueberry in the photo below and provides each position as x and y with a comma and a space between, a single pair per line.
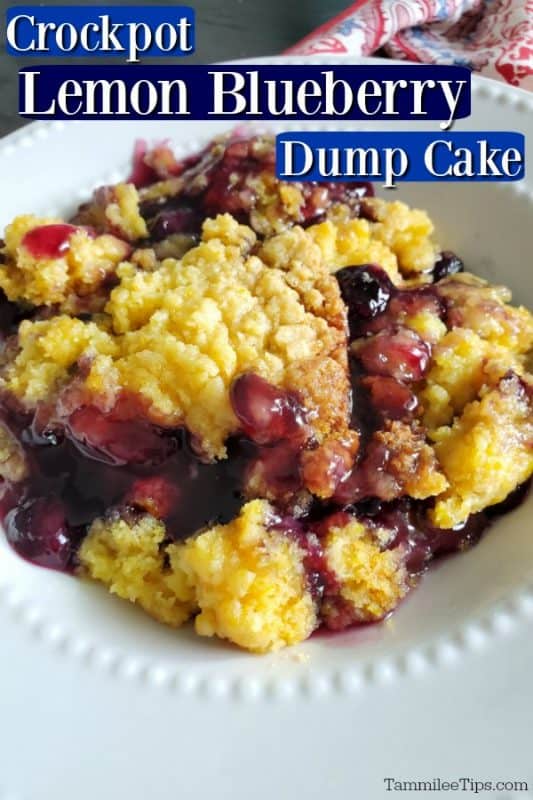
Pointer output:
266, 413
398, 353
38, 531
169, 222
447, 264
367, 291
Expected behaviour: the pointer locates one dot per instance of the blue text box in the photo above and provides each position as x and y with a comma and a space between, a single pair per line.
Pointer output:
103, 31
393, 156
240, 92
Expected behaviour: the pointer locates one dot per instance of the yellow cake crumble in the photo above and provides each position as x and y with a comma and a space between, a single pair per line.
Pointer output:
247, 580
250, 583
486, 453
123, 214
351, 243
77, 273
462, 364
488, 337
244, 581
372, 580
400, 241
217, 313
407, 232
48, 350
116, 210
128, 557
427, 324
484, 308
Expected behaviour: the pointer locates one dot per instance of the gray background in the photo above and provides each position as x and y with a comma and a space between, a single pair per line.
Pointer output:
226, 29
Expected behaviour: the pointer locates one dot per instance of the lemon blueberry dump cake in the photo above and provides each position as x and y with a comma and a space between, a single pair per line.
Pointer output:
262, 406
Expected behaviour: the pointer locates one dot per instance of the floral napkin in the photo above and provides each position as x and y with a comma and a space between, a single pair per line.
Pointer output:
493, 37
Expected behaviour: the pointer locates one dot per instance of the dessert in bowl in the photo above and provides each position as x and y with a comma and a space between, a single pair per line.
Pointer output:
263, 406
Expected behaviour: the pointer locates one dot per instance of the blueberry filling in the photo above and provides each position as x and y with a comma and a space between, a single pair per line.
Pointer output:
85, 462
48, 241
83, 465
222, 179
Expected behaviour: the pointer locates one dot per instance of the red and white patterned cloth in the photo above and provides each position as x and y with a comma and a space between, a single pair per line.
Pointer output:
494, 37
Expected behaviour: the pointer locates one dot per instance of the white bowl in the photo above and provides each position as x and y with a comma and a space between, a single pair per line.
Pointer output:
95, 665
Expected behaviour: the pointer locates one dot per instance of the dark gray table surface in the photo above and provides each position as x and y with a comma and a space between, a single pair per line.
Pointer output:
226, 29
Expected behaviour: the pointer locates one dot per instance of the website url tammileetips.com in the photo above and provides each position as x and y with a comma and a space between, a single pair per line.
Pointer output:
473, 785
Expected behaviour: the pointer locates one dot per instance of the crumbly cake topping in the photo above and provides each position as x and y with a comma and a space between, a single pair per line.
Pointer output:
243, 581
216, 314
260, 405
71, 276
129, 556
115, 210
372, 580
246, 581
462, 364
483, 308
250, 583
487, 451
